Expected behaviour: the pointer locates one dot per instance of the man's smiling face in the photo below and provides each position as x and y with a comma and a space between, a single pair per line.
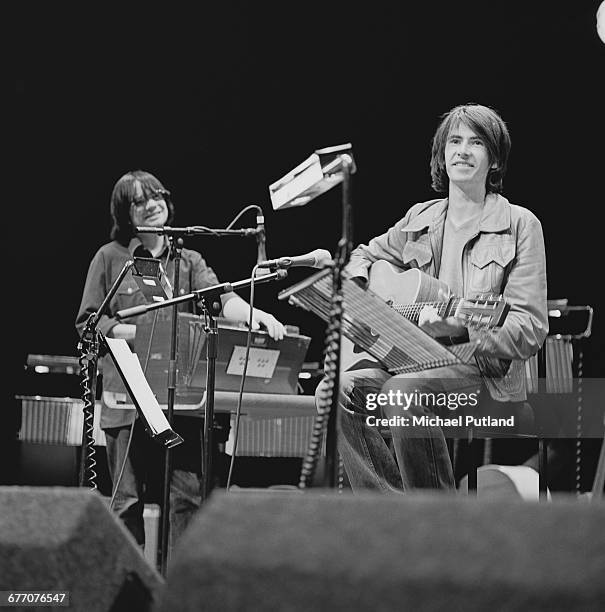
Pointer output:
466, 157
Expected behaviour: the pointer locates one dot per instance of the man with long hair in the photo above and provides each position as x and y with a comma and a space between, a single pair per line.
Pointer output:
475, 241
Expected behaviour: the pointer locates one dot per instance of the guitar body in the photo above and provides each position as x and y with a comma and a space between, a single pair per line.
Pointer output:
392, 285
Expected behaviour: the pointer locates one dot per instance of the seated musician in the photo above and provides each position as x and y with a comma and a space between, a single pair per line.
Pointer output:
475, 241
139, 199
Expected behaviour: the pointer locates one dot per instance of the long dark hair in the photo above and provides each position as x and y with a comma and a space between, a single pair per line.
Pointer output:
122, 197
487, 124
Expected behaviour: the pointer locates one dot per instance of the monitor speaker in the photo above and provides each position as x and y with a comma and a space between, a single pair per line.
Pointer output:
66, 539
327, 551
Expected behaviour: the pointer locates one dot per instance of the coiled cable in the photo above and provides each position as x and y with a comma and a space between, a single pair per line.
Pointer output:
327, 387
88, 347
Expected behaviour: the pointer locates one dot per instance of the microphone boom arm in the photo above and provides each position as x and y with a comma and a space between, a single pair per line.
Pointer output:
198, 294
197, 230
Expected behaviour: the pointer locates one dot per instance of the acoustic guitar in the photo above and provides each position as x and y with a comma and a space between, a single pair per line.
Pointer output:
407, 293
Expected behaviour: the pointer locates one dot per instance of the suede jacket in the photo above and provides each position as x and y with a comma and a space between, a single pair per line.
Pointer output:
506, 256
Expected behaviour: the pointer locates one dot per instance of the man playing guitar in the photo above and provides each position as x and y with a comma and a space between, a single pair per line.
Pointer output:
476, 242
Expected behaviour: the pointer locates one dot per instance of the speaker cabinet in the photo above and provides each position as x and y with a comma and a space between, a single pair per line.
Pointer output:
66, 539
330, 551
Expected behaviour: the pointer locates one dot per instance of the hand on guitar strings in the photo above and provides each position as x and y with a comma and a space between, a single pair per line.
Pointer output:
430, 321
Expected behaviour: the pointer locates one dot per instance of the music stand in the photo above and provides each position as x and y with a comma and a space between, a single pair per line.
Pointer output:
128, 366
322, 170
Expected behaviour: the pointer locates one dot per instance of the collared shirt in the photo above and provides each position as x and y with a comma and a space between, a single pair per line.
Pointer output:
104, 269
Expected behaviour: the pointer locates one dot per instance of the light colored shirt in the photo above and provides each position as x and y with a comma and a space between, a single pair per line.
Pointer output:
455, 238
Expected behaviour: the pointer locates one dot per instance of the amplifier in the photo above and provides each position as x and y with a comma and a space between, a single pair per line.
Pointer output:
56, 420
272, 426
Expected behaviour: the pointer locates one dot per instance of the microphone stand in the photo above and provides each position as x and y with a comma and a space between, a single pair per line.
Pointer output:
176, 244
261, 243
175, 236
345, 246
324, 169
211, 301
320, 172
88, 346
212, 307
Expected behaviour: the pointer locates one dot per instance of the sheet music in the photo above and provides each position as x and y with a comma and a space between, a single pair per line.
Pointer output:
129, 366
261, 362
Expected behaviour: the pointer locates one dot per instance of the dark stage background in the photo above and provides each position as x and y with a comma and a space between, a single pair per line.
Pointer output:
221, 102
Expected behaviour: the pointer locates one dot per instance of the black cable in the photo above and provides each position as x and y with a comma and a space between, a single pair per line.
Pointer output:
243, 380
205, 229
258, 209
88, 347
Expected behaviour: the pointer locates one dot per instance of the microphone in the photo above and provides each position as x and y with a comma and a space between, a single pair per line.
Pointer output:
318, 258
261, 241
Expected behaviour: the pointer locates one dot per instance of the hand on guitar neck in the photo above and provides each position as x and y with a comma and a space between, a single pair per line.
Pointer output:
376, 320
430, 321
429, 303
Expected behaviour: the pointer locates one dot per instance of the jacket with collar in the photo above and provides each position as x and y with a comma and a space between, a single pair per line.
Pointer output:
104, 269
505, 256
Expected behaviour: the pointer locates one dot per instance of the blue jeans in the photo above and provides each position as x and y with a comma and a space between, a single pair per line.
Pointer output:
421, 455
146, 455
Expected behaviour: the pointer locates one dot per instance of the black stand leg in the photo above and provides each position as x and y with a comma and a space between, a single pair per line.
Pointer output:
542, 467
165, 523
207, 451
332, 450
344, 252
472, 464
542, 446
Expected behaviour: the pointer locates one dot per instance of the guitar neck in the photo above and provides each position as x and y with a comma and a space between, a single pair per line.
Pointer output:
412, 311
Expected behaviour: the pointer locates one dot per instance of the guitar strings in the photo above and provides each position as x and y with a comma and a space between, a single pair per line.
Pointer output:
395, 326
418, 356
391, 332
412, 311
358, 333
320, 305
382, 349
